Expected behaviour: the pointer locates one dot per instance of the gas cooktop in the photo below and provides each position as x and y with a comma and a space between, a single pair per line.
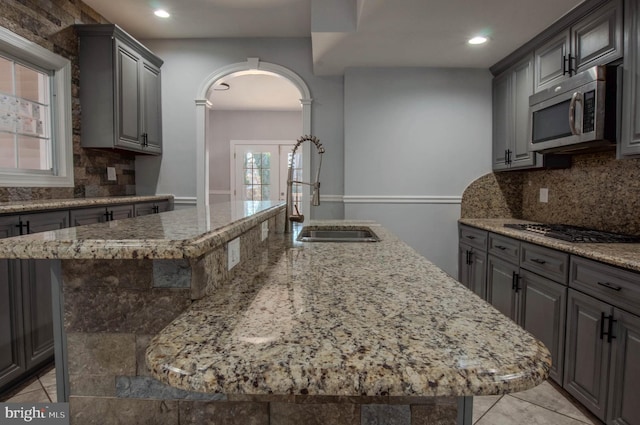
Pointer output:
575, 233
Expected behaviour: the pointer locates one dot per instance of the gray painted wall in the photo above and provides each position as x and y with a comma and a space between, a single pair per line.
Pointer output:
244, 125
416, 132
188, 63
400, 131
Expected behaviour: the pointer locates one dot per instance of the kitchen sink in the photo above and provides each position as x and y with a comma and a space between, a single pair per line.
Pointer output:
337, 234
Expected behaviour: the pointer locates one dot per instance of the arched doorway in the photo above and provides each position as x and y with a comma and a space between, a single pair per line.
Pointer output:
202, 104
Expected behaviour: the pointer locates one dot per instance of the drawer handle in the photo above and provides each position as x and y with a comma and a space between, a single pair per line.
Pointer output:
470, 237
537, 260
610, 286
501, 248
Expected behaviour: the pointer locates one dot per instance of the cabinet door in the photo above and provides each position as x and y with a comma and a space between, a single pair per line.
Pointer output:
501, 119
151, 104
163, 206
522, 88
12, 363
463, 265
543, 314
550, 61
624, 408
630, 115
478, 273
129, 93
38, 312
83, 216
500, 286
144, 209
120, 212
597, 39
587, 351
42, 222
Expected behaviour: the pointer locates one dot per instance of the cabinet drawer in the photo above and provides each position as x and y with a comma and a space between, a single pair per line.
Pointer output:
546, 262
504, 247
615, 286
474, 237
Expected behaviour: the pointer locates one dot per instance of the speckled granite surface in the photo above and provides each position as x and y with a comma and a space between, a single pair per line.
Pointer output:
617, 254
493, 195
18, 207
346, 319
187, 233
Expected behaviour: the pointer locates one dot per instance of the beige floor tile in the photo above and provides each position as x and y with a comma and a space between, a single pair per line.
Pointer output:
513, 411
546, 395
52, 393
483, 403
48, 378
39, 396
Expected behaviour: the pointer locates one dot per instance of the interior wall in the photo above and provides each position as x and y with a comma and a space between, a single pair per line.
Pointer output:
414, 139
243, 125
188, 63
50, 25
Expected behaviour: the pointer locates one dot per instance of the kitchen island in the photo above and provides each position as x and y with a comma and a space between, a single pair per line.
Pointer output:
297, 333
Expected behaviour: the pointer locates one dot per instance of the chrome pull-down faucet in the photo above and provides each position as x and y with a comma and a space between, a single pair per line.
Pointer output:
315, 197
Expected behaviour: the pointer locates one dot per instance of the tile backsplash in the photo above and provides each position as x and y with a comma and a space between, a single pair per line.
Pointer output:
598, 191
50, 25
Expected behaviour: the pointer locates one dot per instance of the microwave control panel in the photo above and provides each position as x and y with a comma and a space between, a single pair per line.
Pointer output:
589, 112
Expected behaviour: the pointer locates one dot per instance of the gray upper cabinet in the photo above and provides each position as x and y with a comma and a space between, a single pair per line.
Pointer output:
629, 143
120, 85
511, 91
552, 61
595, 39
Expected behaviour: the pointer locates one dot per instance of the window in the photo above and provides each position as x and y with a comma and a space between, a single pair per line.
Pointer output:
35, 115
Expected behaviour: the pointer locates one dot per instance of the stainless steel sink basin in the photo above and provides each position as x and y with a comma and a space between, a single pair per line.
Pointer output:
337, 234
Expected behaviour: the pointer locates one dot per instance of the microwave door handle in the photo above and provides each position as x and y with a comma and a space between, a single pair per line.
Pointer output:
577, 97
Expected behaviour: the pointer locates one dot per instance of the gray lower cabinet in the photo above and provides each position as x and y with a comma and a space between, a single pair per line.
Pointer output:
629, 143
146, 208
587, 357
83, 216
624, 408
527, 283
26, 342
603, 340
543, 314
472, 259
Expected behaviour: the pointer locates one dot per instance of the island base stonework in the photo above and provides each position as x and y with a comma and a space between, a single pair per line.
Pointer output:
267, 410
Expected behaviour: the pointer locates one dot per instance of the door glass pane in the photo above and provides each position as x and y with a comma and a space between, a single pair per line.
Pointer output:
257, 177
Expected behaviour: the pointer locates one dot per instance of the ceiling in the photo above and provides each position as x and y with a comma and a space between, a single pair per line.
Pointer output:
349, 33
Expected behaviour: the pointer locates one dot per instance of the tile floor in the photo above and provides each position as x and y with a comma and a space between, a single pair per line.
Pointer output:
42, 389
545, 404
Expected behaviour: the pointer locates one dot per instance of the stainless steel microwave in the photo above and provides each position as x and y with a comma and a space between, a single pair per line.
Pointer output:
575, 114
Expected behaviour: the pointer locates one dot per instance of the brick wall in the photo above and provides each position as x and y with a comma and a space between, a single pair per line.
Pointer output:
49, 24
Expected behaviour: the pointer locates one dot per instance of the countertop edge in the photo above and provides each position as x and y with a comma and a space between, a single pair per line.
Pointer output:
28, 206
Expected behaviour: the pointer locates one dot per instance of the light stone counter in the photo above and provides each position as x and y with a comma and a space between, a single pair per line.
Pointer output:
347, 319
625, 255
187, 233
58, 204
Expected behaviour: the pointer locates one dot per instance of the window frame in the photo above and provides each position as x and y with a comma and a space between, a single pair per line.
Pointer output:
61, 127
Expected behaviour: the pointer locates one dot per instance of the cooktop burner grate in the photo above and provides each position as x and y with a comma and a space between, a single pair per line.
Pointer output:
575, 233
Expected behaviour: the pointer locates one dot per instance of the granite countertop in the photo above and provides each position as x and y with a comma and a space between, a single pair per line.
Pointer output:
53, 204
349, 319
625, 255
187, 233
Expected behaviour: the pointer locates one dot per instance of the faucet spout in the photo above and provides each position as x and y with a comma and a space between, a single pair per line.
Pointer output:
297, 217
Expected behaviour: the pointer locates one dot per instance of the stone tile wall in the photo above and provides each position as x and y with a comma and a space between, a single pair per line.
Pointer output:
598, 191
49, 24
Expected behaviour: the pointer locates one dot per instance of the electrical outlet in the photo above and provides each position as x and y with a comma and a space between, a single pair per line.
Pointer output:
233, 253
265, 230
544, 194
111, 173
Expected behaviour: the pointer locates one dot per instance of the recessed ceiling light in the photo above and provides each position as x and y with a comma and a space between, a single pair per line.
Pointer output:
478, 40
161, 13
